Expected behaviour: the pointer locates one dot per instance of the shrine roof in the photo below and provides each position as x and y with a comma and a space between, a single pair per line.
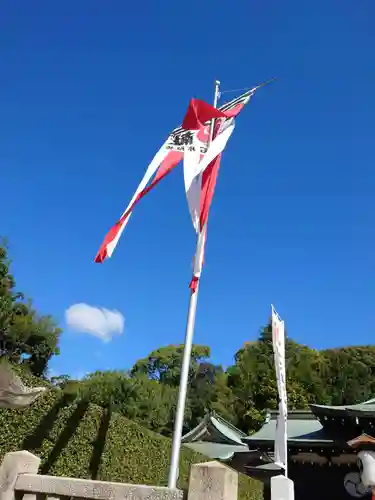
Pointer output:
302, 427
217, 451
366, 409
215, 437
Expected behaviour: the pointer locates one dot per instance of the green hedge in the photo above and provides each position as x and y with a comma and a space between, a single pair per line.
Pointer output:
86, 441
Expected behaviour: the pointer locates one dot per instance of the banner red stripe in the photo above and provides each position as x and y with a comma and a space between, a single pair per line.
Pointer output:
168, 164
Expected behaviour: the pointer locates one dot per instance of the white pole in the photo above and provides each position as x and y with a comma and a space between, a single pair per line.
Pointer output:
184, 378
278, 343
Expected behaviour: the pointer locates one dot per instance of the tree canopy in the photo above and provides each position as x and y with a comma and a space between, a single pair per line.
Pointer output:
244, 391
25, 336
147, 393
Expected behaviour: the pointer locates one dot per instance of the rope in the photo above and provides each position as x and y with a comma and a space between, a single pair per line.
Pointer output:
235, 90
250, 88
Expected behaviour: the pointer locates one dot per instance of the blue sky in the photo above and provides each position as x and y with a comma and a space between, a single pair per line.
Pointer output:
89, 91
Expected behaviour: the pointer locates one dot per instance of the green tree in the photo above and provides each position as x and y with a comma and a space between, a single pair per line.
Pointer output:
164, 364
138, 398
350, 374
25, 336
8, 296
253, 382
207, 390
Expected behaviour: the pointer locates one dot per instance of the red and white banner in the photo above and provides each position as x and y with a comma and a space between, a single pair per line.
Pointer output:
170, 154
200, 167
200, 173
281, 437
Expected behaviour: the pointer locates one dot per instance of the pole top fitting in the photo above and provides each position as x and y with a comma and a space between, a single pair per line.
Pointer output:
217, 82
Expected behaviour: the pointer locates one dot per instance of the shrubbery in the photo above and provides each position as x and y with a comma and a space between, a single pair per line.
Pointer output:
79, 439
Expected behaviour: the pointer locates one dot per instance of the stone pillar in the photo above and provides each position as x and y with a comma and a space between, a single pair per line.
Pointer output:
282, 488
14, 464
212, 481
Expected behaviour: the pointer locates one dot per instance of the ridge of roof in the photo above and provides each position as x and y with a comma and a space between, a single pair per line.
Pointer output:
227, 424
220, 424
366, 407
369, 402
197, 430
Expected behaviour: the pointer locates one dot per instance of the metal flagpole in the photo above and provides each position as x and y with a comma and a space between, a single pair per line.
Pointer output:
184, 378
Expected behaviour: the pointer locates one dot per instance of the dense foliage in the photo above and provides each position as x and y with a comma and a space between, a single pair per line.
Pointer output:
25, 336
243, 392
76, 438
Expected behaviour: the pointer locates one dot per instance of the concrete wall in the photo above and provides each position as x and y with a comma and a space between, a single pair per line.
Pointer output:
19, 479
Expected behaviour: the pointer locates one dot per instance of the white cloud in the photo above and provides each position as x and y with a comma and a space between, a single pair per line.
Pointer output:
96, 321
